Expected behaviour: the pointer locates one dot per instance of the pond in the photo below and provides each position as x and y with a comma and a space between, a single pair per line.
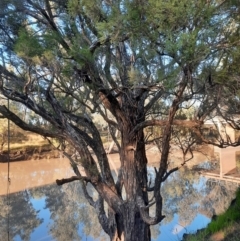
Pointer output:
40, 210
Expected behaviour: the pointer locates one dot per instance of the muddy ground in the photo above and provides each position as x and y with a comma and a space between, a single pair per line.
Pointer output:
47, 152
30, 153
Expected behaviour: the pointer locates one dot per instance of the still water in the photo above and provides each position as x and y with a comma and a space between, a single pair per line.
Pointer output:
39, 210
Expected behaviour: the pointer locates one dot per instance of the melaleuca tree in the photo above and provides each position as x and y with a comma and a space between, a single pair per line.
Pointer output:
137, 64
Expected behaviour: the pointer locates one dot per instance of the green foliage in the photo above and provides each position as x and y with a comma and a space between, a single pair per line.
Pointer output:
134, 76
73, 7
181, 30
130, 61
92, 9
82, 55
36, 49
28, 45
223, 222
114, 27
225, 219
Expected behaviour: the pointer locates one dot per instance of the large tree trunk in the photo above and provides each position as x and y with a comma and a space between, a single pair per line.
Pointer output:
129, 225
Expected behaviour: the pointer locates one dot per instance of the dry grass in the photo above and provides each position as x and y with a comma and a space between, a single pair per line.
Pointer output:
33, 141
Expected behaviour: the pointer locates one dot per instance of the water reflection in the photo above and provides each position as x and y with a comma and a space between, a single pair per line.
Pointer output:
187, 194
22, 217
62, 213
50, 213
33, 173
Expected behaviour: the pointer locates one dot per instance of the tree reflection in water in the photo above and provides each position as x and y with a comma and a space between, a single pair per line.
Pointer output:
23, 218
187, 194
71, 218
69, 212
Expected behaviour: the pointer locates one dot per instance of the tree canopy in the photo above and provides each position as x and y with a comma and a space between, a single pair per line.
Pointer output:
171, 64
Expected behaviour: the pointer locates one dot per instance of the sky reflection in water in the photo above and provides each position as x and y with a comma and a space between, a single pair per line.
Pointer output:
61, 213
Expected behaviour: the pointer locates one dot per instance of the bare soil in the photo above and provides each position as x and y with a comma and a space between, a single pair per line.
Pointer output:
30, 153
46, 151
219, 236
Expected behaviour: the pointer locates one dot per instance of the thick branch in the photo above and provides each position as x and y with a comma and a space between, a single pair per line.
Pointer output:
144, 213
105, 117
16, 120
169, 173
70, 179
50, 23
94, 142
102, 217
111, 103
24, 99
98, 204
154, 122
221, 143
153, 100
110, 196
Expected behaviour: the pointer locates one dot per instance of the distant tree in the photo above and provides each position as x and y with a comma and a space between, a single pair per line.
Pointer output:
9, 132
137, 64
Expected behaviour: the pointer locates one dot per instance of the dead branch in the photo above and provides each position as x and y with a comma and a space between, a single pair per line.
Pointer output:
70, 179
